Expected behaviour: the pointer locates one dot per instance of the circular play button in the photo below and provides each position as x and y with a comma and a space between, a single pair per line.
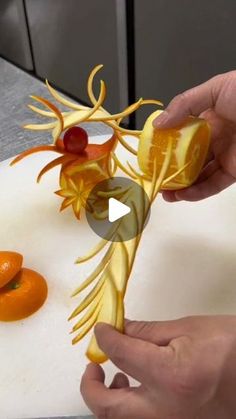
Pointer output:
117, 209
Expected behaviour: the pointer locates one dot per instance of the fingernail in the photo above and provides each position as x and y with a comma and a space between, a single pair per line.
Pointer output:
161, 119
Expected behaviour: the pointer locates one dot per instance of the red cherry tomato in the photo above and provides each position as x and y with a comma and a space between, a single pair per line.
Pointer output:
75, 140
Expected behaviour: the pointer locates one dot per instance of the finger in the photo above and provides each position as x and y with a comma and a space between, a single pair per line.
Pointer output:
216, 123
94, 392
214, 184
92, 384
169, 196
120, 381
209, 157
192, 102
92, 387
158, 332
128, 354
109, 403
209, 170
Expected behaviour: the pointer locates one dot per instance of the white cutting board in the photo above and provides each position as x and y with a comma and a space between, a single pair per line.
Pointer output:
186, 265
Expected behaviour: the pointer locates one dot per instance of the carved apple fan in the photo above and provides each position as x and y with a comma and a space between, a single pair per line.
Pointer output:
80, 172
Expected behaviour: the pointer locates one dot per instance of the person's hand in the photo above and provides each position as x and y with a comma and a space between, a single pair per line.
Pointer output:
186, 367
215, 101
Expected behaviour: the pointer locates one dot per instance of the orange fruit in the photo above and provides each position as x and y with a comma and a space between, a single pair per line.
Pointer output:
22, 296
10, 264
190, 146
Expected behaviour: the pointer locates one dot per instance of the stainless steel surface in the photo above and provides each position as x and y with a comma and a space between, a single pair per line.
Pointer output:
122, 53
70, 38
179, 44
15, 88
14, 41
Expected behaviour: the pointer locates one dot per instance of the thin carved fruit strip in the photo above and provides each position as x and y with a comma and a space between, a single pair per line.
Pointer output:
105, 302
82, 164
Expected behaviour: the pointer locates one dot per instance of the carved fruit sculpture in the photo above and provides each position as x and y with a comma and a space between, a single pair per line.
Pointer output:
166, 159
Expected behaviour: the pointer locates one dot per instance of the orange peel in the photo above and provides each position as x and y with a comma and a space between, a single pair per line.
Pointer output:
22, 291
10, 265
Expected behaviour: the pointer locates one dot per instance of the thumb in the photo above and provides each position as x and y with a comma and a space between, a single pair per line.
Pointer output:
192, 102
130, 355
158, 332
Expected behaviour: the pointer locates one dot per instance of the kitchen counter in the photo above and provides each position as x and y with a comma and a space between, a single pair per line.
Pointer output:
15, 88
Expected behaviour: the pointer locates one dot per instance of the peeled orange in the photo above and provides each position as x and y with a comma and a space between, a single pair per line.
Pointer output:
190, 146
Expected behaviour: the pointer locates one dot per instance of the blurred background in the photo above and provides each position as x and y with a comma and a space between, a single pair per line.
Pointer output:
149, 48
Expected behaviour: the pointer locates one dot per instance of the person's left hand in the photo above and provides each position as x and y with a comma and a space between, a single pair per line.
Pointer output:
186, 367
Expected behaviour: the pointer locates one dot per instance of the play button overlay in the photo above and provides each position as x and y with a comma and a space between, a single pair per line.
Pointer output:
117, 209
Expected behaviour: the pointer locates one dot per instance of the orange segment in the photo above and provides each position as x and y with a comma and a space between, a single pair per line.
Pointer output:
190, 145
10, 264
23, 296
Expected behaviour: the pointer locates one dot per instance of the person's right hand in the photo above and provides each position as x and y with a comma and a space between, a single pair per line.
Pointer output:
215, 101
186, 369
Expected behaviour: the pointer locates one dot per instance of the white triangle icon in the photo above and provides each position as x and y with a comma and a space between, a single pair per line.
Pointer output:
117, 210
